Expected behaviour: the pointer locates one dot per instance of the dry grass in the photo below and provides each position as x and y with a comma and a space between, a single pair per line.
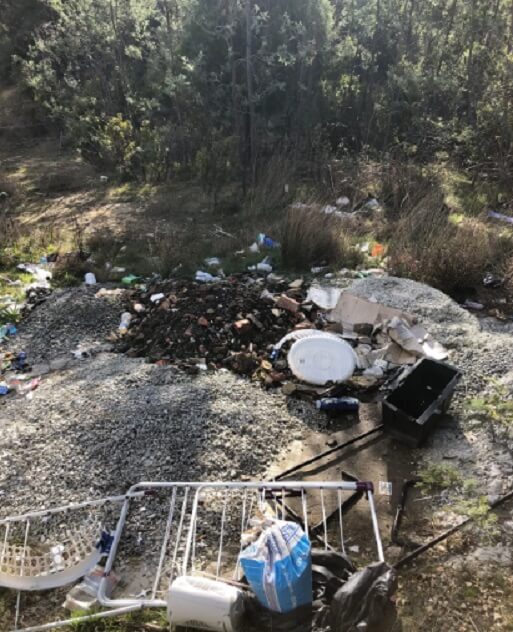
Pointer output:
403, 185
428, 247
310, 237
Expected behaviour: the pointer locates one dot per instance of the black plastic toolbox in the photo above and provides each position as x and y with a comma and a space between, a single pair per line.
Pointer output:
420, 398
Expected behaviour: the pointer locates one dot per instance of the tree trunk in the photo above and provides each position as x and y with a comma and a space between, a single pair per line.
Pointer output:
450, 26
470, 64
250, 133
409, 36
510, 38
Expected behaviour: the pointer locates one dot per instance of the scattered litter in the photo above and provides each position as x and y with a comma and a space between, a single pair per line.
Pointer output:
493, 280
378, 250
372, 204
7, 330
118, 270
278, 566
378, 369
83, 596
126, 318
319, 269
365, 601
343, 201
204, 603
130, 279
385, 488
318, 360
205, 277
254, 248
338, 404
82, 352
324, 297
4, 389
23, 386
330, 210
501, 216
41, 274
264, 266
352, 310
354, 548
156, 298
415, 340
212, 262
90, 279
265, 241
473, 305
104, 292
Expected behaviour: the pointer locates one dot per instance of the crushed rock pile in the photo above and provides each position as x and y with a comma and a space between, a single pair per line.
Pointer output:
64, 320
480, 348
110, 421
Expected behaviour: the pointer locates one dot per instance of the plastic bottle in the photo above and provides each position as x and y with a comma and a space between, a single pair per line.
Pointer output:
126, 318
338, 404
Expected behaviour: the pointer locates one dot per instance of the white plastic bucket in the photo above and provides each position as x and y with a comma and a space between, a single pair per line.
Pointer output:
206, 604
321, 359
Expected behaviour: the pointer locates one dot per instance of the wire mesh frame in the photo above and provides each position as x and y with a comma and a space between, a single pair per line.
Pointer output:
186, 502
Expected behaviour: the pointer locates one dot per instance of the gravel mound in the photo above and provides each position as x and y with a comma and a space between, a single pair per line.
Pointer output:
112, 421
480, 348
66, 319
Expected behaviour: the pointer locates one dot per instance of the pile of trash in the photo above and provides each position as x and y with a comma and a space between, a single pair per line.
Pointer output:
231, 323
273, 330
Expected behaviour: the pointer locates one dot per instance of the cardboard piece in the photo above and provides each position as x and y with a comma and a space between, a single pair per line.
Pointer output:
352, 310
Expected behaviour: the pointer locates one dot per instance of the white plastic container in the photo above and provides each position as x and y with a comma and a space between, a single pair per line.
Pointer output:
90, 279
126, 319
321, 359
206, 604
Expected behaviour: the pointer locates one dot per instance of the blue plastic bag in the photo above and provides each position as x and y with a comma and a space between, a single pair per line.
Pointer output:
278, 567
